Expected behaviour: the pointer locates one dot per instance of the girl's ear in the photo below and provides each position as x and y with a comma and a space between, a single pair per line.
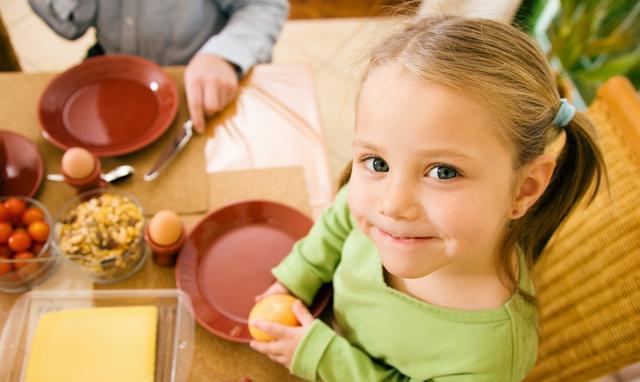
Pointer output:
533, 181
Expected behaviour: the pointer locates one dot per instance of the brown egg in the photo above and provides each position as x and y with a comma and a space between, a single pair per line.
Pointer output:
165, 227
78, 163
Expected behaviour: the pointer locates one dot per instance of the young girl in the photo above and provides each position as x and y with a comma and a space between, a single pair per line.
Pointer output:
454, 192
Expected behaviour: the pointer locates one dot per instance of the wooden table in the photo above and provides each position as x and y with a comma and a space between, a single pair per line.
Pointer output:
214, 358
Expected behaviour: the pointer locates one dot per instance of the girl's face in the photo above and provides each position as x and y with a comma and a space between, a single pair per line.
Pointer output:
432, 183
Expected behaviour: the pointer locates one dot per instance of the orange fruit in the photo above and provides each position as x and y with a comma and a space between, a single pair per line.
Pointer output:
275, 308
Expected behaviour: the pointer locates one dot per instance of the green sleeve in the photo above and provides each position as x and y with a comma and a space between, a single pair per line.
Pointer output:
469, 378
314, 258
324, 355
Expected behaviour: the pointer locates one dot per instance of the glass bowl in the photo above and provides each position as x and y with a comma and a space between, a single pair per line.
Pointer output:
101, 232
19, 275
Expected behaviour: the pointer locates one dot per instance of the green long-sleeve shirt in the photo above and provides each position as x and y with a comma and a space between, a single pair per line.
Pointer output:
387, 335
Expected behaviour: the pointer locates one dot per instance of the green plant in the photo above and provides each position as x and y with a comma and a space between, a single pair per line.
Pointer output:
595, 40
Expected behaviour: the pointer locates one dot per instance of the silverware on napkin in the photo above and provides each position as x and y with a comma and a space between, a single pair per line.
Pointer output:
177, 143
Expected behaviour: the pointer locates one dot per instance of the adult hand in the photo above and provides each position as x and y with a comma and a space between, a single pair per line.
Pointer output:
275, 288
210, 83
287, 338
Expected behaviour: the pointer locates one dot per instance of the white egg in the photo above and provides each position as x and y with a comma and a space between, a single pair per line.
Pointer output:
165, 227
78, 163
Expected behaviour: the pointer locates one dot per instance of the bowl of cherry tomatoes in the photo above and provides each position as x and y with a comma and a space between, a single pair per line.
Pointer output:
26, 252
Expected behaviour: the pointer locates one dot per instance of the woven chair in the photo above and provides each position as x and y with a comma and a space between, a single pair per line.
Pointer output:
588, 280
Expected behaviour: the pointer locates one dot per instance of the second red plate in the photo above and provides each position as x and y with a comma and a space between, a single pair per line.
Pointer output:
110, 105
24, 167
227, 261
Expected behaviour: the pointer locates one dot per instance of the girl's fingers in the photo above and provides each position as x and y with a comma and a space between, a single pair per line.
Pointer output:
260, 346
302, 313
271, 328
270, 348
263, 295
275, 288
281, 359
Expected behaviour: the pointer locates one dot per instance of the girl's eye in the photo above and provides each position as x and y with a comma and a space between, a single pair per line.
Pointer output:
376, 164
442, 172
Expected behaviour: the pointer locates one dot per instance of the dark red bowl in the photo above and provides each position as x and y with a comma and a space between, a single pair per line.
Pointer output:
110, 105
24, 167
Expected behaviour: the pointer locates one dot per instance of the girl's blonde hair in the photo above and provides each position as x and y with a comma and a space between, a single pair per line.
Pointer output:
502, 68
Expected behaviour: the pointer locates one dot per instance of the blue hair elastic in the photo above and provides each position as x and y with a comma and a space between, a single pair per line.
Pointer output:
565, 113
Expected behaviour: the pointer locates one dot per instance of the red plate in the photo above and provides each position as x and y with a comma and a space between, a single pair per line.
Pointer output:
110, 105
227, 261
24, 167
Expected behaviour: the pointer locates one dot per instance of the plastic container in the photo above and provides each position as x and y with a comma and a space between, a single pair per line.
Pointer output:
97, 260
175, 335
30, 272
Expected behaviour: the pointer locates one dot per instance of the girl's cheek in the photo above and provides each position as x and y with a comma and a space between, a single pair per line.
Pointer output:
452, 216
470, 224
357, 199
443, 215
361, 192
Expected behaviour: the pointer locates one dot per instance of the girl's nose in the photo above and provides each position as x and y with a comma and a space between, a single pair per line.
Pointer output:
397, 202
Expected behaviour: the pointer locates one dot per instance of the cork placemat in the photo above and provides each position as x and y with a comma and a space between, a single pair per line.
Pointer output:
182, 186
284, 185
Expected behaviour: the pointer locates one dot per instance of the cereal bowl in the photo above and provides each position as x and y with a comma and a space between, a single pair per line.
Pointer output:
102, 232
25, 261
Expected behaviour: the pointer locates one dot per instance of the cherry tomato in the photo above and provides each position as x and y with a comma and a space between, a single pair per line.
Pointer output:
5, 251
36, 248
19, 241
4, 214
22, 256
5, 231
5, 267
32, 214
15, 207
39, 231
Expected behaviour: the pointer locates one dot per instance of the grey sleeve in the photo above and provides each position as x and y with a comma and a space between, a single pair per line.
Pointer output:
68, 18
250, 33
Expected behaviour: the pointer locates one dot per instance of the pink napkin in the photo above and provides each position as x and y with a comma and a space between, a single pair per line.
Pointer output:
274, 123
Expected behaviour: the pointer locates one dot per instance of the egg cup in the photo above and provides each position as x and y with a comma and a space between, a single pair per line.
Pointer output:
165, 255
89, 182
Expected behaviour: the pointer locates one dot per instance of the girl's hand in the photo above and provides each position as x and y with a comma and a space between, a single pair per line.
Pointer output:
287, 338
275, 288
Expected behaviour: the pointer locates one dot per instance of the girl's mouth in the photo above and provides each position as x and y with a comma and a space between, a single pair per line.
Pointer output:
403, 239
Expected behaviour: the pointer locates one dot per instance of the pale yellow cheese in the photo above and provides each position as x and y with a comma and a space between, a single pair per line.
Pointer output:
95, 344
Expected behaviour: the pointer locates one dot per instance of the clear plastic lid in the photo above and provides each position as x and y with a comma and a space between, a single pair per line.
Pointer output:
175, 335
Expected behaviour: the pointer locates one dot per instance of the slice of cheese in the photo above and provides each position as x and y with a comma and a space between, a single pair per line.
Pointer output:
95, 344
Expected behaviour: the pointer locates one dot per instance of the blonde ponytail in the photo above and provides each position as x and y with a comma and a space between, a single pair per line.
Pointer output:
579, 170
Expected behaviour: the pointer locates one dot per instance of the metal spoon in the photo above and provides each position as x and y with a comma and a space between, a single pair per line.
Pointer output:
116, 174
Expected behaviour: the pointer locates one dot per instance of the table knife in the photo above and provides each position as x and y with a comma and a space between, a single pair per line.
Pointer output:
177, 143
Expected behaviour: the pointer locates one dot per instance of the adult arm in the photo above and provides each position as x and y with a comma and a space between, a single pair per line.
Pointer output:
250, 32
68, 18
211, 78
